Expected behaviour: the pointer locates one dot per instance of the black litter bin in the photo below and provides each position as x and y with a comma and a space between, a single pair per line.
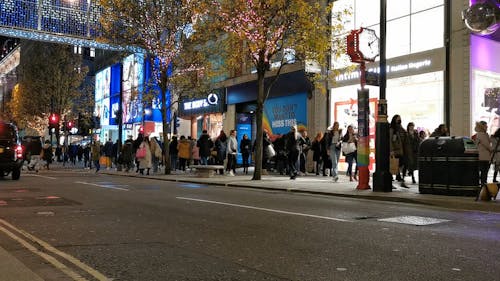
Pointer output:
448, 166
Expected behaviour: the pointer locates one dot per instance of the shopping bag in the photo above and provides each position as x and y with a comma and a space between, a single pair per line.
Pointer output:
348, 147
270, 151
488, 191
394, 165
102, 160
141, 152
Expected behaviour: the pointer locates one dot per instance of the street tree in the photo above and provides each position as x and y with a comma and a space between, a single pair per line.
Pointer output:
164, 30
267, 31
46, 87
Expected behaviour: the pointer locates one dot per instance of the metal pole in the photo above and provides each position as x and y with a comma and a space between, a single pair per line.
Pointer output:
363, 155
382, 178
120, 120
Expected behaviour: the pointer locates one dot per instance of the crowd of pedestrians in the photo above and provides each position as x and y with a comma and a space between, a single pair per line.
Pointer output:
285, 154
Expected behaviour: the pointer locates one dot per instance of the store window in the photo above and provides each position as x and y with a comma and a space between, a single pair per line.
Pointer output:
398, 45
417, 98
367, 12
412, 25
486, 99
421, 24
420, 5
397, 8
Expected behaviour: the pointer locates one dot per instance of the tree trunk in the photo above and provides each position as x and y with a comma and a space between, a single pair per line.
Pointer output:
257, 175
166, 142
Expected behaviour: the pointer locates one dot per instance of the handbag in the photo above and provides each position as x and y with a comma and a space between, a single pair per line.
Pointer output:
348, 147
394, 165
141, 152
270, 151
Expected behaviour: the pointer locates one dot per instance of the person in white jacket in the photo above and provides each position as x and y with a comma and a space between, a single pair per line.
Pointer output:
232, 150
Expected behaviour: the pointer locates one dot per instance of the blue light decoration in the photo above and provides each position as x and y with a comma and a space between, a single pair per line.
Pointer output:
74, 22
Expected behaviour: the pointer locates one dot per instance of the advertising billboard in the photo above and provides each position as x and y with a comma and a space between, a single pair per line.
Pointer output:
132, 87
284, 112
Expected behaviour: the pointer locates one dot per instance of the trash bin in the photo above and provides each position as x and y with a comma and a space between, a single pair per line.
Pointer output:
448, 166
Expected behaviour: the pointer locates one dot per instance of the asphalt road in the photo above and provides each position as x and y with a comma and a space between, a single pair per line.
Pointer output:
99, 227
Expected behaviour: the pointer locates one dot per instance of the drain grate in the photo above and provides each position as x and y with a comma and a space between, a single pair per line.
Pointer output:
414, 220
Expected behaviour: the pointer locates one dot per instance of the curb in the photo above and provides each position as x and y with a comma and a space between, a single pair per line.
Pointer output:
443, 202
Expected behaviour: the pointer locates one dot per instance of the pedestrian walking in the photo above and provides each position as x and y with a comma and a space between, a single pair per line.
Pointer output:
232, 150
108, 153
305, 146
204, 144
266, 142
34, 150
292, 148
156, 153
325, 143
47, 154
174, 153
351, 157
95, 150
413, 144
184, 148
245, 149
484, 148
219, 152
143, 154
127, 154
398, 145
335, 147
316, 149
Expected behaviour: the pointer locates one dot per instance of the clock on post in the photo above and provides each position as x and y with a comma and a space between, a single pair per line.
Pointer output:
362, 47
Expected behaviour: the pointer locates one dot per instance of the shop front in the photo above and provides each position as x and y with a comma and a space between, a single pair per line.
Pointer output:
198, 114
415, 91
485, 82
286, 106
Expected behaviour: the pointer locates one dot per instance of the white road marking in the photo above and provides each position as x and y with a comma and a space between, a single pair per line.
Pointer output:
40, 176
414, 220
263, 209
45, 255
110, 186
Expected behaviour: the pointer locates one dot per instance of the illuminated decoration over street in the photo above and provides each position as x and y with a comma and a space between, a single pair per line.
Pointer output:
74, 22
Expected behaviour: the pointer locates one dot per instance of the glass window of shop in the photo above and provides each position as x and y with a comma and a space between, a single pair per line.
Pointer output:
417, 98
412, 25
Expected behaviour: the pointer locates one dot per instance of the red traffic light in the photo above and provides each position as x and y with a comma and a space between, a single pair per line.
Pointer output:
53, 118
141, 130
70, 125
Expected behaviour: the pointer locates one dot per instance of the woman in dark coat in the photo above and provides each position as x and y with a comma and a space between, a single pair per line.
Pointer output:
316, 148
413, 143
325, 143
245, 149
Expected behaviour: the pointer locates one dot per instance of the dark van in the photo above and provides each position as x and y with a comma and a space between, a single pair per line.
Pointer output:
11, 151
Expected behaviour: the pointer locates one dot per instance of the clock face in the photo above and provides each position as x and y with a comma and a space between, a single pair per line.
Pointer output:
368, 44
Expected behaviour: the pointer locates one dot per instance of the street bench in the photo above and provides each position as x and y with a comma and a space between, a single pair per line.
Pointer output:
206, 171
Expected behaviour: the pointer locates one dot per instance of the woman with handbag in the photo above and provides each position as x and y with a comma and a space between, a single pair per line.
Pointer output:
349, 148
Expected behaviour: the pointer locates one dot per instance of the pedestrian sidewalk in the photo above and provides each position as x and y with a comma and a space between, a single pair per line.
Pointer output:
313, 184
11, 269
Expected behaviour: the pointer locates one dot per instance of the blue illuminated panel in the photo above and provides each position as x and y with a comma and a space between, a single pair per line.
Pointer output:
79, 18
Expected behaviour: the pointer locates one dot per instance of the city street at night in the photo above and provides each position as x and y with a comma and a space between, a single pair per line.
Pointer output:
108, 227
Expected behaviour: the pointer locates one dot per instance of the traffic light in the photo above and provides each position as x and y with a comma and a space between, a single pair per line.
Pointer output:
53, 120
141, 130
69, 125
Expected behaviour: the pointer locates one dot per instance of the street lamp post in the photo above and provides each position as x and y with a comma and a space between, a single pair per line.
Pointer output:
382, 179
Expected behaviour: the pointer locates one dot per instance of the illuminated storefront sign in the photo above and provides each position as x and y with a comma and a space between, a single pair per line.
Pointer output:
213, 103
400, 67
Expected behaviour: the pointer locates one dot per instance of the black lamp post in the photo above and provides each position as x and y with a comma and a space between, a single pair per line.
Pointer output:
382, 178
